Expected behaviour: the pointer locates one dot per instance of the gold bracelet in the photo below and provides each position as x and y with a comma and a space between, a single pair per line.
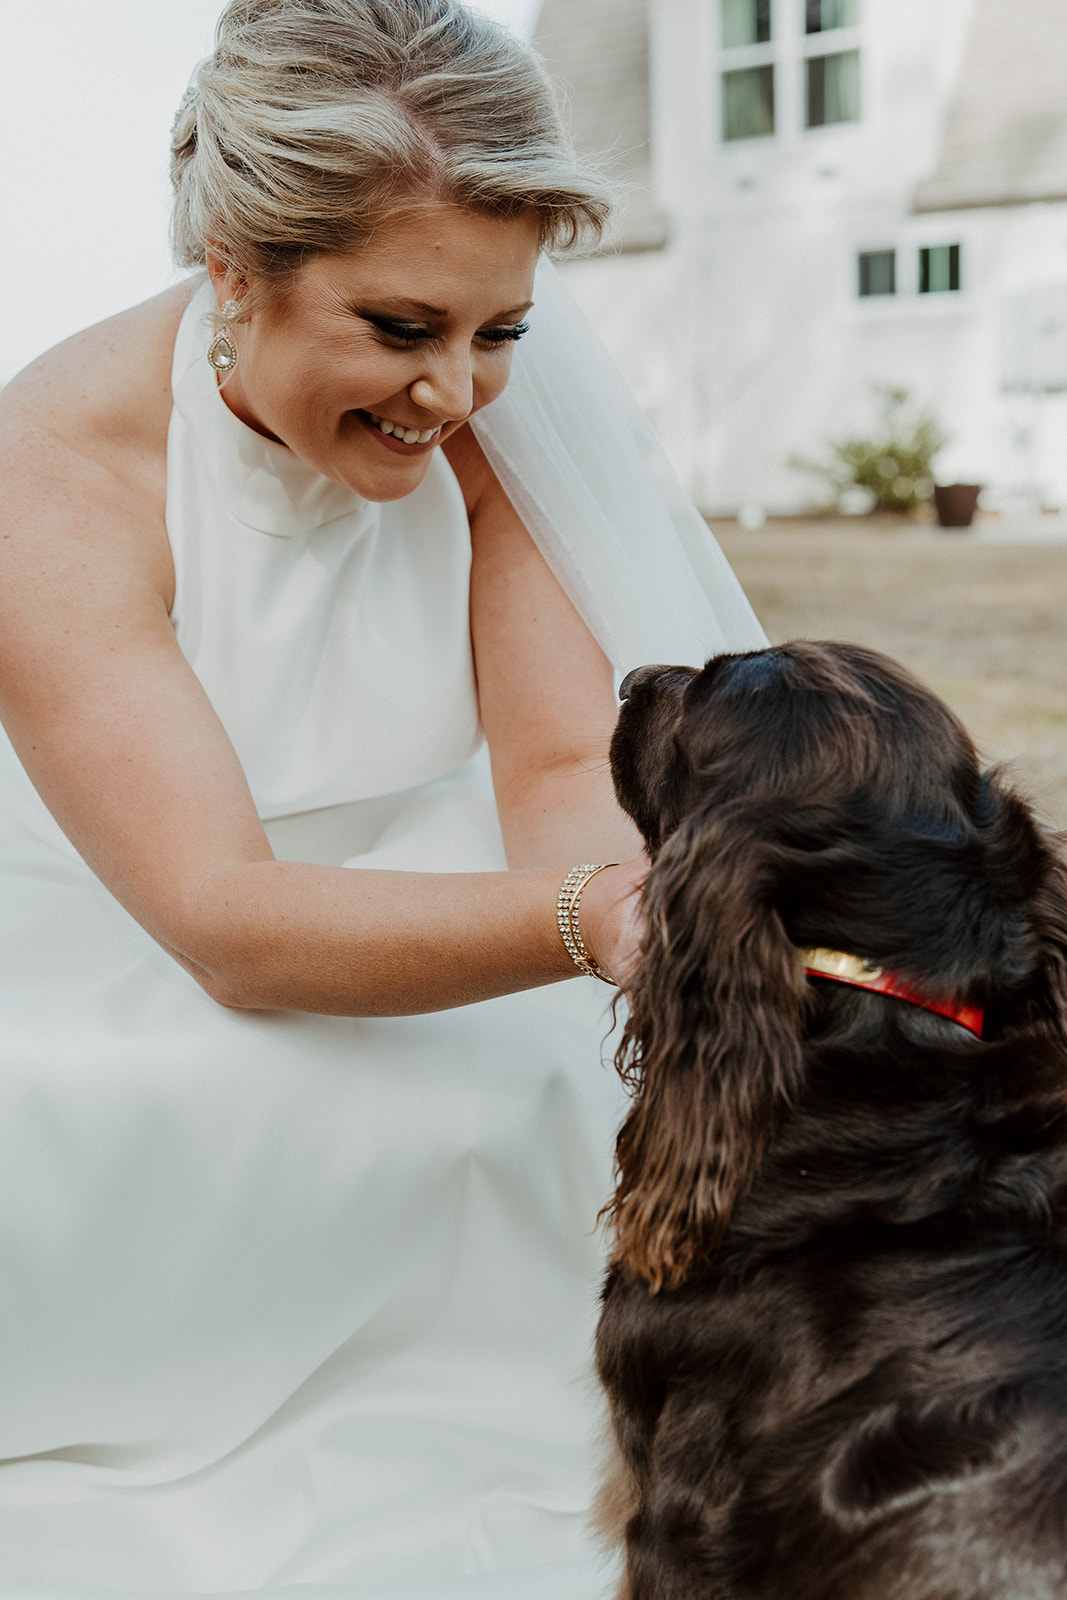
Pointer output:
567, 903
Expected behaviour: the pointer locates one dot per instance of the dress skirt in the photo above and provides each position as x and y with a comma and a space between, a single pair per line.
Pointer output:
291, 1303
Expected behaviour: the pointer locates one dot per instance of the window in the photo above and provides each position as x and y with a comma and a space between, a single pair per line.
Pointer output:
878, 272
939, 268
822, 15
745, 22
748, 82
748, 103
784, 64
833, 89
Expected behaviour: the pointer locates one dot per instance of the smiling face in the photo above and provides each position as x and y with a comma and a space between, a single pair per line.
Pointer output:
371, 359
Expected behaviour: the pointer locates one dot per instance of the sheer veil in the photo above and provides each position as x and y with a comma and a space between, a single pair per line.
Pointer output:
587, 474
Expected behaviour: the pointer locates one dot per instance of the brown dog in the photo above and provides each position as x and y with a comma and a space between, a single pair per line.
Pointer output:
834, 1336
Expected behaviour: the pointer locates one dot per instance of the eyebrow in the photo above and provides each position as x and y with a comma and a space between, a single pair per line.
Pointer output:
420, 306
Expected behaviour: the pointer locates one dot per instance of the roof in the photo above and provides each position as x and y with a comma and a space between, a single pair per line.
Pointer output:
1005, 140
597, 50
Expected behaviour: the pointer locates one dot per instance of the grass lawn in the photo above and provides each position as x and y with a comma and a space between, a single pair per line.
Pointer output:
984, 624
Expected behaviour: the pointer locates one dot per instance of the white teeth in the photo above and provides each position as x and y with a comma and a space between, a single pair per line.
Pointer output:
398, 431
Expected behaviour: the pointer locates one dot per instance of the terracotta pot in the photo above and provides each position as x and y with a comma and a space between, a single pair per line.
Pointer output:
956, 503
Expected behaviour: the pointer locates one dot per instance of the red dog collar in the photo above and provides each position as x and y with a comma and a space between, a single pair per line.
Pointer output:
860, 974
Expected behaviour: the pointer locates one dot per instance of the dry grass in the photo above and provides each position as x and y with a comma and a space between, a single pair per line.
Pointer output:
983, 624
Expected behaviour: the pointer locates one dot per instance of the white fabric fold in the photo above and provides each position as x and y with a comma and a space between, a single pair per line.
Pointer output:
588, 476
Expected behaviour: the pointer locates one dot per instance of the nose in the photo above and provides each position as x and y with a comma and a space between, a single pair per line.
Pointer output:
665, 678
445, 388
627, 683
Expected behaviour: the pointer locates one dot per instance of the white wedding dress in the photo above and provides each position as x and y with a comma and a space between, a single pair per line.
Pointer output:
296, 1305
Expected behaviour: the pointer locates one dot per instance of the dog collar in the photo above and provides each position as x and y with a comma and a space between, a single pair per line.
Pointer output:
860, 974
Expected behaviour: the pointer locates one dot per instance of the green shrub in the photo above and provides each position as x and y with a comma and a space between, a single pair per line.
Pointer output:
893, 465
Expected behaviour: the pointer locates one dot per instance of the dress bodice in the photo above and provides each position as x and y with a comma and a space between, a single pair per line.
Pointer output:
332, 635
306, 1302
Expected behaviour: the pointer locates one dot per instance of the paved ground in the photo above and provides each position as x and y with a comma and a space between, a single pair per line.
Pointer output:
980, 615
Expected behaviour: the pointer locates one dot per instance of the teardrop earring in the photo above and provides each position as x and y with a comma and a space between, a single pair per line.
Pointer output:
222, 351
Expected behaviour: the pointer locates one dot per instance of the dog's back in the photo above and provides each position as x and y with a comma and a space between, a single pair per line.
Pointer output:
864, 1396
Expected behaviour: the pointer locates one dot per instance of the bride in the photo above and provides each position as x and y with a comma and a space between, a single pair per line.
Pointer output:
302, 1141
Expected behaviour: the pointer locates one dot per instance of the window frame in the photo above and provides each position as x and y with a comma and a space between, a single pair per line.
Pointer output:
955, 268
750, 44
838, 27
822, 58
739, 58
866, 257
737, 72
788, 51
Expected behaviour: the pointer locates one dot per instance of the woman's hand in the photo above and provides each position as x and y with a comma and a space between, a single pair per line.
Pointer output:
611, 918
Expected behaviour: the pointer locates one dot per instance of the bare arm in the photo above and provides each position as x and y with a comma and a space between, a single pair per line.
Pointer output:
125, 749
545, 690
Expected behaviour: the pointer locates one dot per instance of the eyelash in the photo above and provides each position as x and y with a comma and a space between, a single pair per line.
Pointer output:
407, 336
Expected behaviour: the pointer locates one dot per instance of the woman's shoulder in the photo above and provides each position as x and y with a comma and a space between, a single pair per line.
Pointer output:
105, 392
83, 452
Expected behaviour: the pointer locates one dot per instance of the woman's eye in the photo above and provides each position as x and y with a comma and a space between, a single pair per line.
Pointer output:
406, 335
504, 335
402, 333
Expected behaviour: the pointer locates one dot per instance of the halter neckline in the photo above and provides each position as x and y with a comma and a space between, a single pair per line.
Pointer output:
262, 483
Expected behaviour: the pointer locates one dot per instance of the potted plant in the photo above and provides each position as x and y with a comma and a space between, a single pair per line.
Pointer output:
956, 503
892, 464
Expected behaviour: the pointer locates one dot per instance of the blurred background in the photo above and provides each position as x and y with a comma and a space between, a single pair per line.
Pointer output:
840, 275
828, 199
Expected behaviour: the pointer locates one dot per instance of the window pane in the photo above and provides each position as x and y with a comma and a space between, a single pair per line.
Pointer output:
878, 272
822, 15
748, 103
833, 89
745, 22
939, 269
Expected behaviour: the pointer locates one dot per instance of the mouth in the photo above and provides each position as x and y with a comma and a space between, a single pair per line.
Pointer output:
398, 438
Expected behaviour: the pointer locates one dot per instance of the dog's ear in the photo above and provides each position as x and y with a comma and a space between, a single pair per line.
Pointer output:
1027, 868
712, 1043
1050, 920
1045, 1010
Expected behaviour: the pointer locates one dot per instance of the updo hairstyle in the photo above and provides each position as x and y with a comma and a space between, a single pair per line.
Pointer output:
313, 121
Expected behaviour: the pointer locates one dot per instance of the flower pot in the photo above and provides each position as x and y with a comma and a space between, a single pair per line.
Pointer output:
956, 503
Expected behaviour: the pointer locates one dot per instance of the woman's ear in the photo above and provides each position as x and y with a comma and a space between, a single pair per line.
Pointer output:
218, 272
712, 1044
227, 282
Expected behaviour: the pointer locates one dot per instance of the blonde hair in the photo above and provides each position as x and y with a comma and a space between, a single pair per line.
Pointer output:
315, 120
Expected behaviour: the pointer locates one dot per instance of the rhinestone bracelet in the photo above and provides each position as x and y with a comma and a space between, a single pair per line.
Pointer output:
567, 903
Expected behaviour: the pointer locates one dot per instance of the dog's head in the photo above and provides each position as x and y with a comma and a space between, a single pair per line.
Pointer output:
806, 795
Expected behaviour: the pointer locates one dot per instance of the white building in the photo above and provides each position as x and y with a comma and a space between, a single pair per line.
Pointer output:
828, 194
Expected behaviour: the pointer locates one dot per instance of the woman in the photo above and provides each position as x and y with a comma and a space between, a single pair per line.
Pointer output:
299, 1280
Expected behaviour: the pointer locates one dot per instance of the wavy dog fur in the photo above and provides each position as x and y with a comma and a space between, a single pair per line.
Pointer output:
834, 1335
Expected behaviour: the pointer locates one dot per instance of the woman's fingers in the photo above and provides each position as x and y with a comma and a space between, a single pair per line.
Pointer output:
611, 918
